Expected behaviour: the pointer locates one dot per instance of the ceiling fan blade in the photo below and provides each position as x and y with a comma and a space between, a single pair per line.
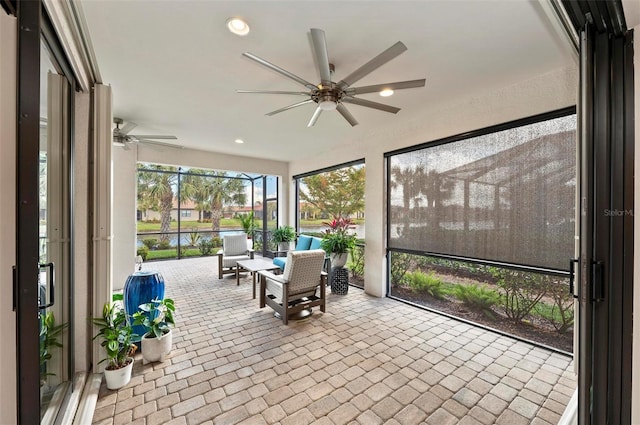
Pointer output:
295, 105
150, 136
322, 56
392, 86
370, 104
373, 64
167, 145
128, 127
315, 116
280, 70
301, 93
346, 114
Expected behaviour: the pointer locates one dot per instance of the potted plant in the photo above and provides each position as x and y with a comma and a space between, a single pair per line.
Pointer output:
338, 242
156, 316
283, 236
117, 340
249, 226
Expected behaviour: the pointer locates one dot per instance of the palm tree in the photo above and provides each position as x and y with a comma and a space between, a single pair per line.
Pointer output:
221, 191
410, 179
194, 189
158, 184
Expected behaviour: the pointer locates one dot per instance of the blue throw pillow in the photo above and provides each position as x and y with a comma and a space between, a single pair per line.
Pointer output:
315, 243
304, 242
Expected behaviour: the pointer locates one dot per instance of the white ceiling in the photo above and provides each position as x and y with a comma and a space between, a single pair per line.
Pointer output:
174, 67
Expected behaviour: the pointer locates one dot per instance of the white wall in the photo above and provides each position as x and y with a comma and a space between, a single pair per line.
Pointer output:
124, 214
544, 93
7, 212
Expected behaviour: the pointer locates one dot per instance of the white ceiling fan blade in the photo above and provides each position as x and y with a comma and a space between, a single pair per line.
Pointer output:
167, 145
373, 64
322, 55
300, 93
370, 104
389, 86
286, 108
151, 136
279, 70
315, 116
347, 115
128, 127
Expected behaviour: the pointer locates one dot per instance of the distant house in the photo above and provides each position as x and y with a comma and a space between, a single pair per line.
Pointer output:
189, 212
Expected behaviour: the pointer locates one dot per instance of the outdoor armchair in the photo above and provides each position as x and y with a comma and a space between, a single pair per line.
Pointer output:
296, 289
234, 249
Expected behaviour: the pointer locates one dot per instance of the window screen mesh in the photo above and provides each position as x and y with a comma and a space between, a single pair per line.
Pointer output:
507, 196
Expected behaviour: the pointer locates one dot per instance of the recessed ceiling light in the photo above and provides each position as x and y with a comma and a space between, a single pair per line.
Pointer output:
386, 92
238, 26
239, 141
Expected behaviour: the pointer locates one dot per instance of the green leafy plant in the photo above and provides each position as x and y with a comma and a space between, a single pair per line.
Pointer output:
560, 314
164, 244
117, 336
521, 291
143, 251
283, 234
156, 316
429, 283
356, 261
248, 224
150, 243
338, 242
400, 263
193, 238
49, 333
205, 246
478, 298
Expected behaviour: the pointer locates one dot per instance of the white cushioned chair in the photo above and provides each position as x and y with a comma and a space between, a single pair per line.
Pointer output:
297, 288
234, 249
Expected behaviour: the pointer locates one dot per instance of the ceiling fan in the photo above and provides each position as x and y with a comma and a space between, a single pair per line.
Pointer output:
121, 136
332, 96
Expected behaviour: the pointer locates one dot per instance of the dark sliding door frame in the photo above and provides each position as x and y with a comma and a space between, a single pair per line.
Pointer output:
605, 291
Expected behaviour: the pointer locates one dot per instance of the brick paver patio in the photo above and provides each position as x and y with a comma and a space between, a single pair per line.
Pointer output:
366, 361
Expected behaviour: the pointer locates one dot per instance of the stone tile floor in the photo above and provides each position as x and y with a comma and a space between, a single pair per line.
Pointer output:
366, 361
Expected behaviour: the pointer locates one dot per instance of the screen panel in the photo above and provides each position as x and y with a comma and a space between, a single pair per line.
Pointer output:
506, 196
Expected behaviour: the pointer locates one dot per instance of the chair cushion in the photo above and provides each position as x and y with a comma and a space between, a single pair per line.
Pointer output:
280, 262
234, 244
304, 242
315, 243
230, 261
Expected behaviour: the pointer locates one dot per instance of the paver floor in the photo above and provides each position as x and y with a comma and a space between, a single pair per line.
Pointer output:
365, 361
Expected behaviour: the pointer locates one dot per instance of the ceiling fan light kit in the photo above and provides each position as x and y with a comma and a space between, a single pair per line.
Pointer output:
329, 96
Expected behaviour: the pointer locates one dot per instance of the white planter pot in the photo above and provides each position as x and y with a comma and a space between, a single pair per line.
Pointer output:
284, 246
155, 349
120, 377
339, 260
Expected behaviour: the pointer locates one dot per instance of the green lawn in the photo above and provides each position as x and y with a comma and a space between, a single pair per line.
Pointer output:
161, 254
225, 223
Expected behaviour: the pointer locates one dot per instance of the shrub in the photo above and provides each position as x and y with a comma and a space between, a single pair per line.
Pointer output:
400, 263
143, 251
216, 241
193, 238
356, 261
205, 246
560, 314
521, 291
477, 298
150, 243
164, 244
429, 283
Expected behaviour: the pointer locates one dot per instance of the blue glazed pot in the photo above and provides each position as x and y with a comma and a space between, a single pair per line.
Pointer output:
141, 288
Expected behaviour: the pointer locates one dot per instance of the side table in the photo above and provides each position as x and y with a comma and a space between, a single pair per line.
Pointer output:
339, 280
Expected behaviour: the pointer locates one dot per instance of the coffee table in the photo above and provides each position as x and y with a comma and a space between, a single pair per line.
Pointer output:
253, 266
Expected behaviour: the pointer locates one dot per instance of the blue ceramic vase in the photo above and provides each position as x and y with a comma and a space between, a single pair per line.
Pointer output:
141, 288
